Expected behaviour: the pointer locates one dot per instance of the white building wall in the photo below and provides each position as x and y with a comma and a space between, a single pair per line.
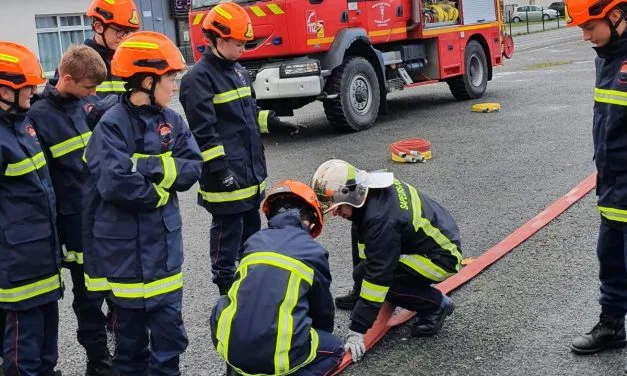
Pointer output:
17, 18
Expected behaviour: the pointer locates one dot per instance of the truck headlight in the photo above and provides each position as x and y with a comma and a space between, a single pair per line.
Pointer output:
305, 68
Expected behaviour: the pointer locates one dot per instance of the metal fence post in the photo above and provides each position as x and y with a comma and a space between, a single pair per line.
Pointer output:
543, 19
558, 19
527, 18
510, 21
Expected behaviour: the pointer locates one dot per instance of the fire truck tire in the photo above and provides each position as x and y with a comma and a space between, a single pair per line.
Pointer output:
357, 105
473, 82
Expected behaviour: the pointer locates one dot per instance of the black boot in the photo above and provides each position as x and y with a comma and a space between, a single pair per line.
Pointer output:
608, 333
348, 301
230, 371
429, 325
102, 367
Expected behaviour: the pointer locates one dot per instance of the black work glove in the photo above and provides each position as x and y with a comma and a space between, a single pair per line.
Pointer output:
283, 127
227, 180
97, 107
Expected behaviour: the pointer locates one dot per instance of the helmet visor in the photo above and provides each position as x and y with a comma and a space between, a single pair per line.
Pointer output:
337, 183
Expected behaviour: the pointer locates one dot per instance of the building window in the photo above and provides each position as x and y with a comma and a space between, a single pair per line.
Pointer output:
55, 33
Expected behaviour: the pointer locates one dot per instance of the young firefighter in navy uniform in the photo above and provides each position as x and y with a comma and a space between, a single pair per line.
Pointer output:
406, 241
604, 24
139, 156
285, 272
60, 120
217, 98
30, 277
111, 22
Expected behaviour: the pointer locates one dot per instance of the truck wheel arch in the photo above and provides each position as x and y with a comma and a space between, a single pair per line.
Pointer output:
355, 41
488, 54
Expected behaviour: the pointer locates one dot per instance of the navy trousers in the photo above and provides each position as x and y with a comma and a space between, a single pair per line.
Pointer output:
408, 290
226, 237
612, 254
91, 333
328, 357
149, 342
30, 341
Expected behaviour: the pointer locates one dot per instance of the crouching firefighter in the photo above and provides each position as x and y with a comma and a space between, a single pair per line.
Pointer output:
30, 278
140, 155
287, 273
406, 243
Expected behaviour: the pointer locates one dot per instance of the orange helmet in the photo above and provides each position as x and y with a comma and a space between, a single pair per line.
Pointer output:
119, 12
146, 52
229, 20
301, 191
19, 67
582, 11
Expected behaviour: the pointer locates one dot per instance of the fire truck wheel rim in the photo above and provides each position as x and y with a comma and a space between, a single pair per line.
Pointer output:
476, 71
361, 94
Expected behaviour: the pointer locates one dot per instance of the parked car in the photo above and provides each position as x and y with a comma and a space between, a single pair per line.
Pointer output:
534, 13
559, 7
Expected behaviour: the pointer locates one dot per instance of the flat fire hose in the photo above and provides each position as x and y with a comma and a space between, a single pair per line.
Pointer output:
387, 319
412, 150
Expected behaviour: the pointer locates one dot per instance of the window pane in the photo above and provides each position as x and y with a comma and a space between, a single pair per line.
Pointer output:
70, 20
49, 52
71, 37
89, 34
86, 21
42, 22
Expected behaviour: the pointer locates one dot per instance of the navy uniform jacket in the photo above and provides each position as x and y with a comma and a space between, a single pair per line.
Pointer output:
221, 110
63, 133
265, 325
610, 130
399, 227
29, 249
133, 242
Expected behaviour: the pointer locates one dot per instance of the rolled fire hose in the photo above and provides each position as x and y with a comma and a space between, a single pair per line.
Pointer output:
412, 150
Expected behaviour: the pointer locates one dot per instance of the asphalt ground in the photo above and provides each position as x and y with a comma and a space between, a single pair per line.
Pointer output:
493, 172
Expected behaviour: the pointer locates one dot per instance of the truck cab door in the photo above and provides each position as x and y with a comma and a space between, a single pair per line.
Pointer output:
387, 19
357, 14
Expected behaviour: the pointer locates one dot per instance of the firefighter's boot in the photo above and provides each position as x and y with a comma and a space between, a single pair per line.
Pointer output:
230, 371
102, 367
430, 324
608, 333
348, 301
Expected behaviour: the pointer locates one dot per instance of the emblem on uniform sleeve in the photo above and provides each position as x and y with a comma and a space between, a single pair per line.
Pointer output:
622, 77
165, 135
88, 107
30, 130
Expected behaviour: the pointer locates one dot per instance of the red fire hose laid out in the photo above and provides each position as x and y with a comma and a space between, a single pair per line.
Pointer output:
412, 150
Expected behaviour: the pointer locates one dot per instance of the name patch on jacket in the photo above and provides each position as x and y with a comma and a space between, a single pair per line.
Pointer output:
165, 135
241, 76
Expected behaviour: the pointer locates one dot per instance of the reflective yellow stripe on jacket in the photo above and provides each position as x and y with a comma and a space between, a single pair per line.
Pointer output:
422, 264
213, 153
231, 95
111, 87
69, 145
31, 290
136, 290
237, 195
169, 175
618, 215
299, 272
262, 119
610, 96
25, 166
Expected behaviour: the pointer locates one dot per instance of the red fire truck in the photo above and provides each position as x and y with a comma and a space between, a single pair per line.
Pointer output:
350, 54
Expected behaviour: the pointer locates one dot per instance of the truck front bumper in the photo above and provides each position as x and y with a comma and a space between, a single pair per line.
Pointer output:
269, 84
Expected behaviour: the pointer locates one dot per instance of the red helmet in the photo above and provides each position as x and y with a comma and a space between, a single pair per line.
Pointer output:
582, 11
19, 67
119, 12
301, 191
146, 52
229, 20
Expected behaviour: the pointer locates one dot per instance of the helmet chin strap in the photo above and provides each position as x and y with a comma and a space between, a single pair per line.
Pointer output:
151, 91
15, 105
102, 35
614, 26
